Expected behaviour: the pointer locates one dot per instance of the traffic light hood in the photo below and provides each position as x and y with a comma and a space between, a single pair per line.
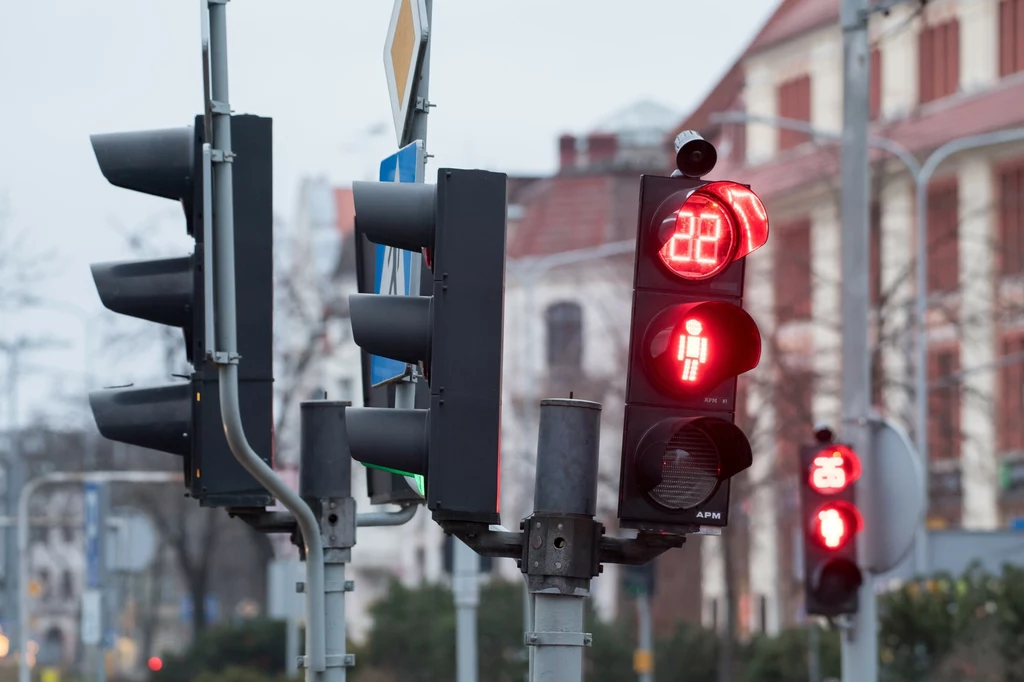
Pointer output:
156, 162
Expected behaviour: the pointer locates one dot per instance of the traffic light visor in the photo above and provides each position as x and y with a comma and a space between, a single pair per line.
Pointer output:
682, 461
835, 524
691, 348
833, 469
700, 234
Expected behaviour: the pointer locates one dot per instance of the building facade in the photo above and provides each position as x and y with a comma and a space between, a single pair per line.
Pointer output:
939, 72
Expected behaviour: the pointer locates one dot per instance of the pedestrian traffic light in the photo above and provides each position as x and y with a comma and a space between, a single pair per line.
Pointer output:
831, 522
689, 340
183, 418
453, 333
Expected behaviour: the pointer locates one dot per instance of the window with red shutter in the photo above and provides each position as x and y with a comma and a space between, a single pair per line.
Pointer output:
1010, 186
793, 280
943, 404
943, 239
794, 102
875, 100
938, 50
875, 226
1011, 394
1011, 37
793, 398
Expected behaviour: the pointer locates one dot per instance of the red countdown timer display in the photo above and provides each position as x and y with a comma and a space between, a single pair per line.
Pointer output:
835, 523
717, 224
834, 468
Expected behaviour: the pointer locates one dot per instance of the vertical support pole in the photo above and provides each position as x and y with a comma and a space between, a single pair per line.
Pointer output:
860, 642
814, 653
645, 643
562, 537
15, 478
466, 590
325, 483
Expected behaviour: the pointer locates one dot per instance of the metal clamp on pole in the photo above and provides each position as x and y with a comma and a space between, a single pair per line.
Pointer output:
562, 539
325, 484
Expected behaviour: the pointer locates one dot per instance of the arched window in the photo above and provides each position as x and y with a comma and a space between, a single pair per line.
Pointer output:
565, 335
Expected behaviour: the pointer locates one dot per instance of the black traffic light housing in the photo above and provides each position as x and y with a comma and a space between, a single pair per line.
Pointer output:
830, 522
454, 333
689, 340
382, 486
183, 418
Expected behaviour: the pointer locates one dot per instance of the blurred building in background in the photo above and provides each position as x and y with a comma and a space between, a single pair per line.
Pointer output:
949, 69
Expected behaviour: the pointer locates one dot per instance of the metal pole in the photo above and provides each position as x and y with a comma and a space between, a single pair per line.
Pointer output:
466, 589
922, 180
645, 642
25, 496
226, 354
325, 484
562, 528
860, 643
15, 476
418, 124
814, 654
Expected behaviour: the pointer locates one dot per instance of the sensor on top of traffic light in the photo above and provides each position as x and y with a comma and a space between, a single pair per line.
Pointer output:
831, 523
689, 341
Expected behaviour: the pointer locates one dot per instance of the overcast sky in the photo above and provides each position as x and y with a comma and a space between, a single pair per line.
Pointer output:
507, 79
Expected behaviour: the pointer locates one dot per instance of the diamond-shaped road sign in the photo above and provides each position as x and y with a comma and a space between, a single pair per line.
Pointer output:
403, 57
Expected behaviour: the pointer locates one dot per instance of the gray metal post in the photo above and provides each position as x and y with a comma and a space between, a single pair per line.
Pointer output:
325, 484
814, 653
562, 536
645, 641
99, 651
860, 642
15, 476
418, 124
225, 355
466, 590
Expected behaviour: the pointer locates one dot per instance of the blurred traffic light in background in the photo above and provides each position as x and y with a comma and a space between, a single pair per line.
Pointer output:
183, 418
453, 333
831, 522
689, 340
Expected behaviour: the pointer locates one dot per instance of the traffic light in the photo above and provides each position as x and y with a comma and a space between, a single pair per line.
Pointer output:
689, 340
453, 333
183, 418
831, 521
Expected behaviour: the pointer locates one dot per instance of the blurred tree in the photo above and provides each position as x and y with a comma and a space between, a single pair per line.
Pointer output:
256, 645
689, 654
610, 658
413, 636
784, 658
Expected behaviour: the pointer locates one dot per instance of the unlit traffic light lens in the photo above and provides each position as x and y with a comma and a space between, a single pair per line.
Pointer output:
689, 469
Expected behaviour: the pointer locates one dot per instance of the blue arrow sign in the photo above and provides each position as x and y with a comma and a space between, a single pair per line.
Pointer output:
394, 266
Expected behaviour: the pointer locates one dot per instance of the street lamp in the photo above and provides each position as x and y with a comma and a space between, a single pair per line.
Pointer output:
922, 174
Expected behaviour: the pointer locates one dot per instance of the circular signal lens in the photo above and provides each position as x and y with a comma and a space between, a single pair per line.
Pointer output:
698, 240
833, 468
834, 524
688, 462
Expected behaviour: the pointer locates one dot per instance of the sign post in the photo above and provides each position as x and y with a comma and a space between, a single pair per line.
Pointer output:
95, 552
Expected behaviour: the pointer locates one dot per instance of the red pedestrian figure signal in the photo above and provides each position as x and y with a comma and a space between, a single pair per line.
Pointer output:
693, 349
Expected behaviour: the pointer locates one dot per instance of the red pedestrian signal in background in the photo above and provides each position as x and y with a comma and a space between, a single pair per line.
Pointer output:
832, 522
689, 341
155, 664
